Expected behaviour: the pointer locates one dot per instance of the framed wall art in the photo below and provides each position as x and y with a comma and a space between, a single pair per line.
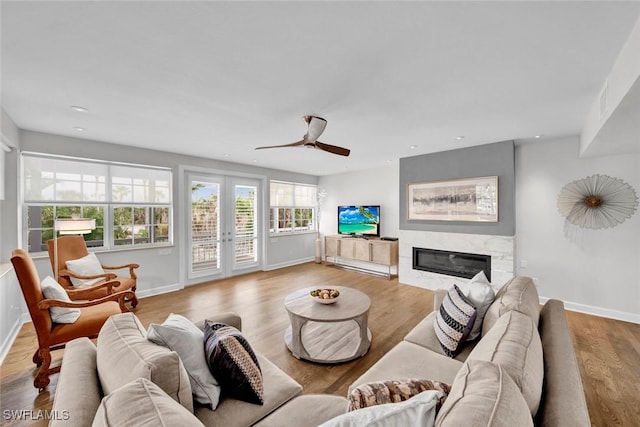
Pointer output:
468, 199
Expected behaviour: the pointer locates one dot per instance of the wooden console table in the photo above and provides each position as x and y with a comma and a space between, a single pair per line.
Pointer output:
373, 251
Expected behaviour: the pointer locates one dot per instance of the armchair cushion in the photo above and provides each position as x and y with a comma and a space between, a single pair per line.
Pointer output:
125, 354
52, 290
86, 266
180, 335
141, 403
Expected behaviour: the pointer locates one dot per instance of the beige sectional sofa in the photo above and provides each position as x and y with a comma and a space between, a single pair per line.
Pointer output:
522, 371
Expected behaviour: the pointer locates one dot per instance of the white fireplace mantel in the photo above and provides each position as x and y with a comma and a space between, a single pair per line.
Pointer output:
500, 248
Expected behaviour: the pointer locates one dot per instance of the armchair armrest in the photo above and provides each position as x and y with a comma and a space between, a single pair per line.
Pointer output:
131, 267
85, 292
106, 276
119, 297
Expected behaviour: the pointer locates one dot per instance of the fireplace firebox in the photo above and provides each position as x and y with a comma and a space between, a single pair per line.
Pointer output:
457, 264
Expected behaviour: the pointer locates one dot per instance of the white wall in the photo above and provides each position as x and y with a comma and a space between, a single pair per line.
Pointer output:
377, 186
596, 271
12, 304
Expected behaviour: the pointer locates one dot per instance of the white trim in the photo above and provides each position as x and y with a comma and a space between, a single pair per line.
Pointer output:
13, 334
289, 263
598, 311
160, 290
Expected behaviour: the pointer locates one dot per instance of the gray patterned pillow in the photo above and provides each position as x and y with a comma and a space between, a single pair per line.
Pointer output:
454, 321
233, 363
393, 391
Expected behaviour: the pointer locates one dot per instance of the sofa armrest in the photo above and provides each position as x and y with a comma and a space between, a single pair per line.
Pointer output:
78, 393
563, 402
438, 296
230, 318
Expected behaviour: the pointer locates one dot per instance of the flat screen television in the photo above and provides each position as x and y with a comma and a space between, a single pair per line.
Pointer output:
359, 220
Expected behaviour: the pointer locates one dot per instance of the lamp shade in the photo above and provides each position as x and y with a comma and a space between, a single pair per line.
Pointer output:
75, 225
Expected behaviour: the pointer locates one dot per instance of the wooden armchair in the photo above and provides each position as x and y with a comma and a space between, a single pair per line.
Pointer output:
74, 247
52, 336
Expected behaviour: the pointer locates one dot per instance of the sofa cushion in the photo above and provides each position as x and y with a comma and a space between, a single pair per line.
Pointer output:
408, 360
393, 391
518, 294
424, 334
514, 344
179, 334
483, 394
233, 362
454, 321
308, 410
78, 377
124, 354
420, 410
141, 403
278, 389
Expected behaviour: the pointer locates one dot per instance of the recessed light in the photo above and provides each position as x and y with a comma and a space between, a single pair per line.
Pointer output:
79, 109
413, 147
254, 161
538, 136
225, 155
459, 137
79, 129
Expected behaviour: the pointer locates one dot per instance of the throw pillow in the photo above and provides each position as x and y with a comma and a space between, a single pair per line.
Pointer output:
53, 290
420, 410
180, 335
233, 362
393, 391
454, 321
481, 294
142, 403
86, 266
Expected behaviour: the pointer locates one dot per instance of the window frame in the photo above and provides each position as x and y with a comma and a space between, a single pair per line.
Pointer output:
276, 209
108, 205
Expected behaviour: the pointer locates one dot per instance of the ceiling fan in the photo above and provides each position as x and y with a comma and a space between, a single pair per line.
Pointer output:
316, 126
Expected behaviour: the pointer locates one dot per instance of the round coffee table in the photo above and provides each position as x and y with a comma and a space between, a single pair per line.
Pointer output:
328, 333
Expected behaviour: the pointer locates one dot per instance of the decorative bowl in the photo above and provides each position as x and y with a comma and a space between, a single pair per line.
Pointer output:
325, 296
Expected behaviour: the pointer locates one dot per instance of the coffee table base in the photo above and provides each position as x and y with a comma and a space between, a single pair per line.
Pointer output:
329, 342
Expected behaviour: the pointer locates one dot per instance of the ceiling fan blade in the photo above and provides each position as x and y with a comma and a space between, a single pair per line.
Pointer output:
294, 144
332, 149
316, 127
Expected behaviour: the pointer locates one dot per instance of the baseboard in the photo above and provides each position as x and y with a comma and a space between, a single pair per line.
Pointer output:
598, 311
157, 291
288, 263
13, 334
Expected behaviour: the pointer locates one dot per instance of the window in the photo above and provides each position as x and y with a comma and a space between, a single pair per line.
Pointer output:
293, 208
131, 204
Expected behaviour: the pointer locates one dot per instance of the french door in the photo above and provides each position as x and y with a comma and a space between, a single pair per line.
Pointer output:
223, 225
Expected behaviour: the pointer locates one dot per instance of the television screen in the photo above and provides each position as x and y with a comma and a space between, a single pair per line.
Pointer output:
359, 220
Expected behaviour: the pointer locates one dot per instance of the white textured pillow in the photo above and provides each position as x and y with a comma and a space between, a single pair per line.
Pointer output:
180, 335
420, 410
52, 290
481, 294
85, 266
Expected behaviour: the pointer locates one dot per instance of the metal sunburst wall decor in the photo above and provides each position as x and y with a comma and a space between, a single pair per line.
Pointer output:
597, 201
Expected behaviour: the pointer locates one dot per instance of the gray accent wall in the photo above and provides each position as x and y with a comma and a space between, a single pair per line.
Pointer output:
495, 159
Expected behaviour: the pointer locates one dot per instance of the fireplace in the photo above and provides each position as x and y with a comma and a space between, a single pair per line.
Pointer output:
459, 264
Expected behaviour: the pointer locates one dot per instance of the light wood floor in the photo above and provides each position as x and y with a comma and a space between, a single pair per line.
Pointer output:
608, 350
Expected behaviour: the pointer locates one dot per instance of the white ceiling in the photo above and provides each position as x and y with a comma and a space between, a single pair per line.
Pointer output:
217, 79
